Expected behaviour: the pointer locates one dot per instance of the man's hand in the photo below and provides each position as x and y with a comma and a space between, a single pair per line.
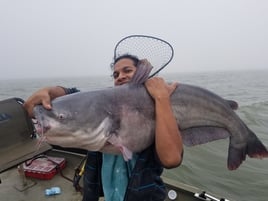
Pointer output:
158, 88
44, 97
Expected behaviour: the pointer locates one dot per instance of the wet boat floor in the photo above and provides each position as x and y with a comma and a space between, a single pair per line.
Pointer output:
16, 188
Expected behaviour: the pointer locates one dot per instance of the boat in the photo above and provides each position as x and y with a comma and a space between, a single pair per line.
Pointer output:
23, 181
15, 186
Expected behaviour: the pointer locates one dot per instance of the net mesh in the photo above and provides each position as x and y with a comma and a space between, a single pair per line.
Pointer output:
157, 51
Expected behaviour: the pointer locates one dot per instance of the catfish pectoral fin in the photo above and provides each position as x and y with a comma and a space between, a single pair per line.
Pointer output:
127, 154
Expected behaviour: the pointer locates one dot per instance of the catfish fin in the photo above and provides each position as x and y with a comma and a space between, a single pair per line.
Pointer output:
235, 157
127, 154
253, 148
201, 135
142, 73
232, 104
117, 142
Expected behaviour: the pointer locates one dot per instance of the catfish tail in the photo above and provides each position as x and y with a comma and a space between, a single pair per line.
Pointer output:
253, 148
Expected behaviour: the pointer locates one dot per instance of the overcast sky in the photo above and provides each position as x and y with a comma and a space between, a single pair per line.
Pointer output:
40, 38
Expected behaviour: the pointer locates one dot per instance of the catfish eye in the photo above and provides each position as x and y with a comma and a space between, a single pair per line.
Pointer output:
61, 116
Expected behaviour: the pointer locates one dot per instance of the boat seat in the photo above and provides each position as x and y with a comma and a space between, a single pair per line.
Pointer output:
18, 141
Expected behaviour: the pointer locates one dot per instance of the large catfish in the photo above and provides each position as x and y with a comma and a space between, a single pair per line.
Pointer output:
122, 120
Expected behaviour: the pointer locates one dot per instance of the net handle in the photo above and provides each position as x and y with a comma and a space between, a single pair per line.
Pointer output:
152, 37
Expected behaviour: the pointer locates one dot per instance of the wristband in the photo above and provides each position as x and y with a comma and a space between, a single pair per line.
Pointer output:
70, 90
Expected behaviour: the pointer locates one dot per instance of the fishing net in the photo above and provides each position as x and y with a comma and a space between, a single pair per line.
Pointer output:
157, 51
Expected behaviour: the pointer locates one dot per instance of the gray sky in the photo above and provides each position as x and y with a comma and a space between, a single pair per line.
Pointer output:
40, 38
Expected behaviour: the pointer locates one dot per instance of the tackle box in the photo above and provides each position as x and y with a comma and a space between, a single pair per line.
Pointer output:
44, 167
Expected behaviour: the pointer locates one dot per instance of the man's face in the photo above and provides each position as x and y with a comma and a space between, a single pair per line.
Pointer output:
124, 70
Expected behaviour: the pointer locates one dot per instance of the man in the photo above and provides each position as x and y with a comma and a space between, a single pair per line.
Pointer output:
138, 179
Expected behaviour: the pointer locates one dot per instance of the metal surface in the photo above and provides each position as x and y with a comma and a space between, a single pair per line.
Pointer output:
17, 142
36, 191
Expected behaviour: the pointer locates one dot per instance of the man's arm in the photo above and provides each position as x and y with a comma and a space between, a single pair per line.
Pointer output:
168, 139
44, 97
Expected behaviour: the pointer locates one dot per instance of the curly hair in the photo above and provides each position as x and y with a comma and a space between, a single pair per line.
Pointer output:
134, 58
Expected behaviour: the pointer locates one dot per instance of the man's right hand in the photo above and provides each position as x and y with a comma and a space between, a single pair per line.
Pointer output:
44, 97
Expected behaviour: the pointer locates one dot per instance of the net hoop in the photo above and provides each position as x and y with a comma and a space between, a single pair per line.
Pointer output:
156, 50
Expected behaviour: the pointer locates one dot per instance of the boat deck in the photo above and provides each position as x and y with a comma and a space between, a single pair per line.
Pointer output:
15, 187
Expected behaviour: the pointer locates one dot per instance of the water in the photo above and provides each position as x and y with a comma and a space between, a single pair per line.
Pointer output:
204, 166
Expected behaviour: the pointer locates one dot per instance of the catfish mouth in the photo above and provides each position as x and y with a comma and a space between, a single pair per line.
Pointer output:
41, 125
41, 128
